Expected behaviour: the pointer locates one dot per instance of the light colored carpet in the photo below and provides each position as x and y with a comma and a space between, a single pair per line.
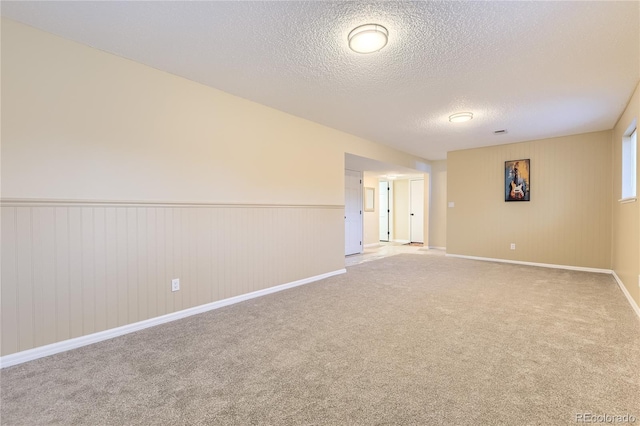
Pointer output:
410, 339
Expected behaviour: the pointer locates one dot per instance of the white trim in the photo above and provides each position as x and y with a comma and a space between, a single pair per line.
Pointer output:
45, 202
372, 245
542, 265
627, 200
632, 302
401, 241
54, 348
437, 248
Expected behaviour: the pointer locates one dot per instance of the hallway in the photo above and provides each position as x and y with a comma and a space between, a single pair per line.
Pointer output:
387, 250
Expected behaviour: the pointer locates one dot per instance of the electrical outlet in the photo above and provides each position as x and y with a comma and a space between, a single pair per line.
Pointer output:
513, 246
175, 284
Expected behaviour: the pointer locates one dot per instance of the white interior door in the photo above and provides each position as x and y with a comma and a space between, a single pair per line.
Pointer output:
416, 197
385, 210
353, 212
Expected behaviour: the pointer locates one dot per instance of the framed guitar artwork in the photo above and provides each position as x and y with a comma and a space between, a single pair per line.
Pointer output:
517, 180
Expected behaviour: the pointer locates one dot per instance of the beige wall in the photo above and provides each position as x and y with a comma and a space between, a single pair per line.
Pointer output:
245, 196
82, 124
70, 269
372, 219
567, 221
626, 216
438, 205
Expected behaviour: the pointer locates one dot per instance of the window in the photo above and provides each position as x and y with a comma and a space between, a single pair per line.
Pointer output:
629, 146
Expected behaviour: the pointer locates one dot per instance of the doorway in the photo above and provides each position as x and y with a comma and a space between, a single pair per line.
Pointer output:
416, 208
352, 212
385, 211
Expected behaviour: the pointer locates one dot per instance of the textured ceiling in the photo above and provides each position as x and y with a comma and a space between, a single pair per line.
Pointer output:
537, 69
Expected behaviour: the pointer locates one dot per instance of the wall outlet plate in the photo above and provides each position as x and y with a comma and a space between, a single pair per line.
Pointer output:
175, 284
513, 246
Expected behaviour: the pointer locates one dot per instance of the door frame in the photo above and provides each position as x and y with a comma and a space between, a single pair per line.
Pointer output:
411, 213
390, 218
360, 174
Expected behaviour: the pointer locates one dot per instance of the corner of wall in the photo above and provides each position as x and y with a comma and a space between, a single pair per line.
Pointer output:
625, 223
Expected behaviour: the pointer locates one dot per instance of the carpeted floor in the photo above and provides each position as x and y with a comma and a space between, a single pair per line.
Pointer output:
409, 339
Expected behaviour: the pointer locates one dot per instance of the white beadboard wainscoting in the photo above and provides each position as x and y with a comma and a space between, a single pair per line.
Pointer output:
71, 269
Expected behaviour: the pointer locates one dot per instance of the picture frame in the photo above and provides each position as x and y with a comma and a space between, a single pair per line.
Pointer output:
517, 180
369, 199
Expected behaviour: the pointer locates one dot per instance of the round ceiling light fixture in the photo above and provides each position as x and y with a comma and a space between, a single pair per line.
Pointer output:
368, 38
460, 117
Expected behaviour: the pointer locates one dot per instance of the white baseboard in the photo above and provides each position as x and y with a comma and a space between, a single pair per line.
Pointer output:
632, 302
54, 348
437, 248
542, 265
401, 241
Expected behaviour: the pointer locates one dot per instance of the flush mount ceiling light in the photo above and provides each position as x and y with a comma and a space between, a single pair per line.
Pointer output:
460, 117
368, 38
